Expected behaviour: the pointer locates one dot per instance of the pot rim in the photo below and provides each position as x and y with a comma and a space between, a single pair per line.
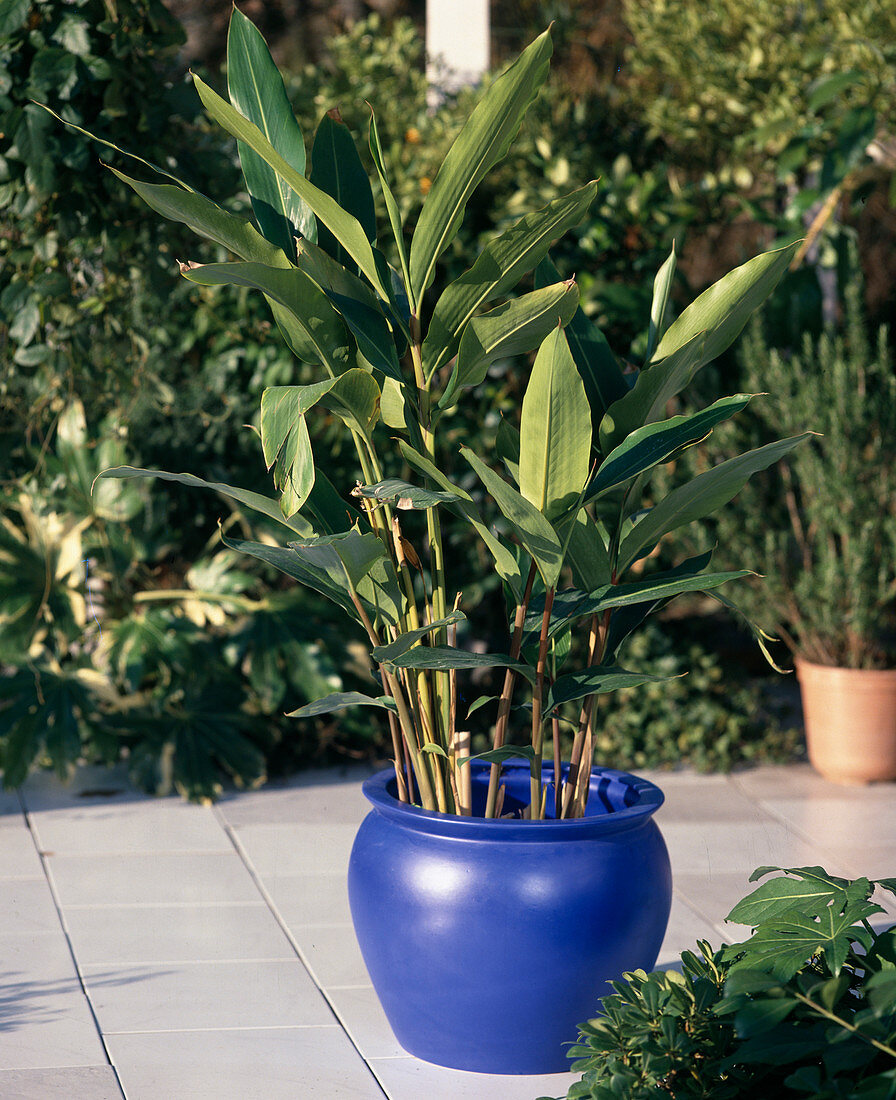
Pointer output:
843, 672
649, 799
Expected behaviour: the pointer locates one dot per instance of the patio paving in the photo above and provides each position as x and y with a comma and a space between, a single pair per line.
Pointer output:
152, 949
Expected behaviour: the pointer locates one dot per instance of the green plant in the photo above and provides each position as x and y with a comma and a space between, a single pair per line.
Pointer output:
735, 88
805, 1007
823, 530
578, 461
698, 712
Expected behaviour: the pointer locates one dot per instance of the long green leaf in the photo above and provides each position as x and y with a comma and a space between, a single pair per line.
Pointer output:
376, 153
646, 402
371, 332
483, 141
351, 554
355, 398
443, 658
517, 327
258, 503
408, 496
339, 701
204, 217
555, 430
285, 442
256, 89
389, 653
723, 310
601, 374
317, 331
337, 170
659, 307
498, 268
328, 581
656, 443
527, 522
344, 227
701, 496
587, 554
595, 681
570, 605
506, 564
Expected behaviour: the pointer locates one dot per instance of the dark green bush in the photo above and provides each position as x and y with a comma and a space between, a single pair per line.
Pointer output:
106, 357
822, 527
805, 1007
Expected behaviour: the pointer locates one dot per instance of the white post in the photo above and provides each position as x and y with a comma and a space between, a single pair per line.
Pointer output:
457, 45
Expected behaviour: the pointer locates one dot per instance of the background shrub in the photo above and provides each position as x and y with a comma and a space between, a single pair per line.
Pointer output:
108, 357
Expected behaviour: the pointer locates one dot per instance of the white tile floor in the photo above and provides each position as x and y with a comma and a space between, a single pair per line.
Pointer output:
152, 950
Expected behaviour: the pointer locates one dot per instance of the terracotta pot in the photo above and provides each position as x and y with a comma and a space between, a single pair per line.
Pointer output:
850, 718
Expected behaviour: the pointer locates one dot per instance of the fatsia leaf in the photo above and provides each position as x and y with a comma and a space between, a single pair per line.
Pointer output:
517, 327
527, 522
336, 169
555, 430
256, 89
258, 503
810, 889
601, 374
657, 443
783, 945
339, 701
316, 331
699, 497
483, 141
389, 653
344, 226
498, 268
723, 310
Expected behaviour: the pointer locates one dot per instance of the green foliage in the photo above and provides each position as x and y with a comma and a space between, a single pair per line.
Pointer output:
698, 713
574, 132
822, 529
805, 1007
182, 674
733, 87
580, 455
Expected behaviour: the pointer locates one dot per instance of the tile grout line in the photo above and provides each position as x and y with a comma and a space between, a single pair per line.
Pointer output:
269, 901
48, 878
795, 830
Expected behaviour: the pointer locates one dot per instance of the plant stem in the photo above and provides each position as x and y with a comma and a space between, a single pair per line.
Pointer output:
433, 525
491, 805
536, 798
407, 723
597, 640
834, 1018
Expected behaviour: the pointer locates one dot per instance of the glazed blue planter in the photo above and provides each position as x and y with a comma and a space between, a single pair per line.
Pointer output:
488, 941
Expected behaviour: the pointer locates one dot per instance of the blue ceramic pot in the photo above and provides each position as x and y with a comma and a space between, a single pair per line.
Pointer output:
488, 941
